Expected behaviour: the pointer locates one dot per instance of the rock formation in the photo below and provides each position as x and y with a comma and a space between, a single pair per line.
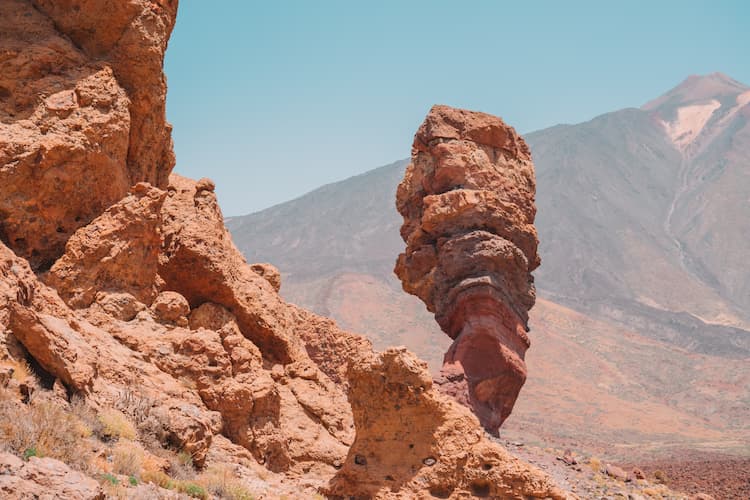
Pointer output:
467, 200
414, 442
82, 98
122, 290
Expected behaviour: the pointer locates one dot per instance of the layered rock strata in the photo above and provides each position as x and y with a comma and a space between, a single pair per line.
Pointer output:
467, 200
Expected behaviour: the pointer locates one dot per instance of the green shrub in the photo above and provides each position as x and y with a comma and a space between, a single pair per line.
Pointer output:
192, 490
110, 478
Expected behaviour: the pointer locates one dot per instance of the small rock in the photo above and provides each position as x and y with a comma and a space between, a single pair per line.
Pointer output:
171, 307
429, 461
269, 272
205, 184
616, 473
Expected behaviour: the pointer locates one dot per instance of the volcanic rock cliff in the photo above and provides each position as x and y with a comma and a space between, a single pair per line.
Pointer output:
122, 293
468, 204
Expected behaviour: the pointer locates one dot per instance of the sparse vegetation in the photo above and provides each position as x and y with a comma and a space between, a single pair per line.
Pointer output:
595, 464
192, 489
42, 428
115, 425
22, 372
660, 476
30, 452
127, 458
220, 481
110, 478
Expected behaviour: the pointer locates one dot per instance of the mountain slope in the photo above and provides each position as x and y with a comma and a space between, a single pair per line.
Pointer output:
642, 279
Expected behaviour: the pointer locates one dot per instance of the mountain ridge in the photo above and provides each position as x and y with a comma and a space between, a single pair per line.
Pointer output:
622, 251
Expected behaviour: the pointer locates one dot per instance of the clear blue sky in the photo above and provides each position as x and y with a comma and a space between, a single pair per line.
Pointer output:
274, 98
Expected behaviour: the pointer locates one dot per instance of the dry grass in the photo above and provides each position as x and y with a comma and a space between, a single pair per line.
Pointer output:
116, 425
43, 428
223, 483
595, 464
128, 458
660, 476
22, 372
157, 477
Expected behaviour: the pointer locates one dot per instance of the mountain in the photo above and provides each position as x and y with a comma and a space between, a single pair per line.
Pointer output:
644, 314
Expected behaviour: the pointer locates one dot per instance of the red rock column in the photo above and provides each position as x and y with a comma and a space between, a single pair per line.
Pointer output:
468, 205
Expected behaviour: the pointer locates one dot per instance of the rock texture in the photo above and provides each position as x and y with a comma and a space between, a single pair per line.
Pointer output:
120, 287
414, 442
467, 200
82, 100
44, 478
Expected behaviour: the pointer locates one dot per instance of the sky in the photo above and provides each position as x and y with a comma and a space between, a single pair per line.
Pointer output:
272, 99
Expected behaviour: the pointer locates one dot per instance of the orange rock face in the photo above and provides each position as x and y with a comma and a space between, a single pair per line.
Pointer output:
414, 442
82, 118
467, 200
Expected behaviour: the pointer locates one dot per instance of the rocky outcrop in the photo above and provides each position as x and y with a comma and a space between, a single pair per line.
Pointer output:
467, 200
44, 478
121, 287
130, 37
117, 251
81, 114
414, 442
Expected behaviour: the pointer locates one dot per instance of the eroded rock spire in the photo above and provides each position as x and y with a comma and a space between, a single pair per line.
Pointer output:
467, 199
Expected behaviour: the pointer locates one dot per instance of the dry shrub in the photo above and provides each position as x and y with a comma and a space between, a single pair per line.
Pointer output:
660, 476
22, 372
43, 428
220, 481
141, 411
128, 458
595, 464
115, 425
115, 491
652, 492
151, 472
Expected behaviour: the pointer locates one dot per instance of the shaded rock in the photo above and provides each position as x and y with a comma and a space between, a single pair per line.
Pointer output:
467, 200
118, 251
122, 306
616, 472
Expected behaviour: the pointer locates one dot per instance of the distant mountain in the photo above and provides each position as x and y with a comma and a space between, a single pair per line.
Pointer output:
641, 333
644, 215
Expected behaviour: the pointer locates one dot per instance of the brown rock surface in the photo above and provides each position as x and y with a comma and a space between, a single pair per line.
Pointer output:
467, 200
131, 36
80, 120
117, 251
44, 478
413, 442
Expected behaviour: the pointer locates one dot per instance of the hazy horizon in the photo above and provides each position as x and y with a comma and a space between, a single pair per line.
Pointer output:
279, 99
